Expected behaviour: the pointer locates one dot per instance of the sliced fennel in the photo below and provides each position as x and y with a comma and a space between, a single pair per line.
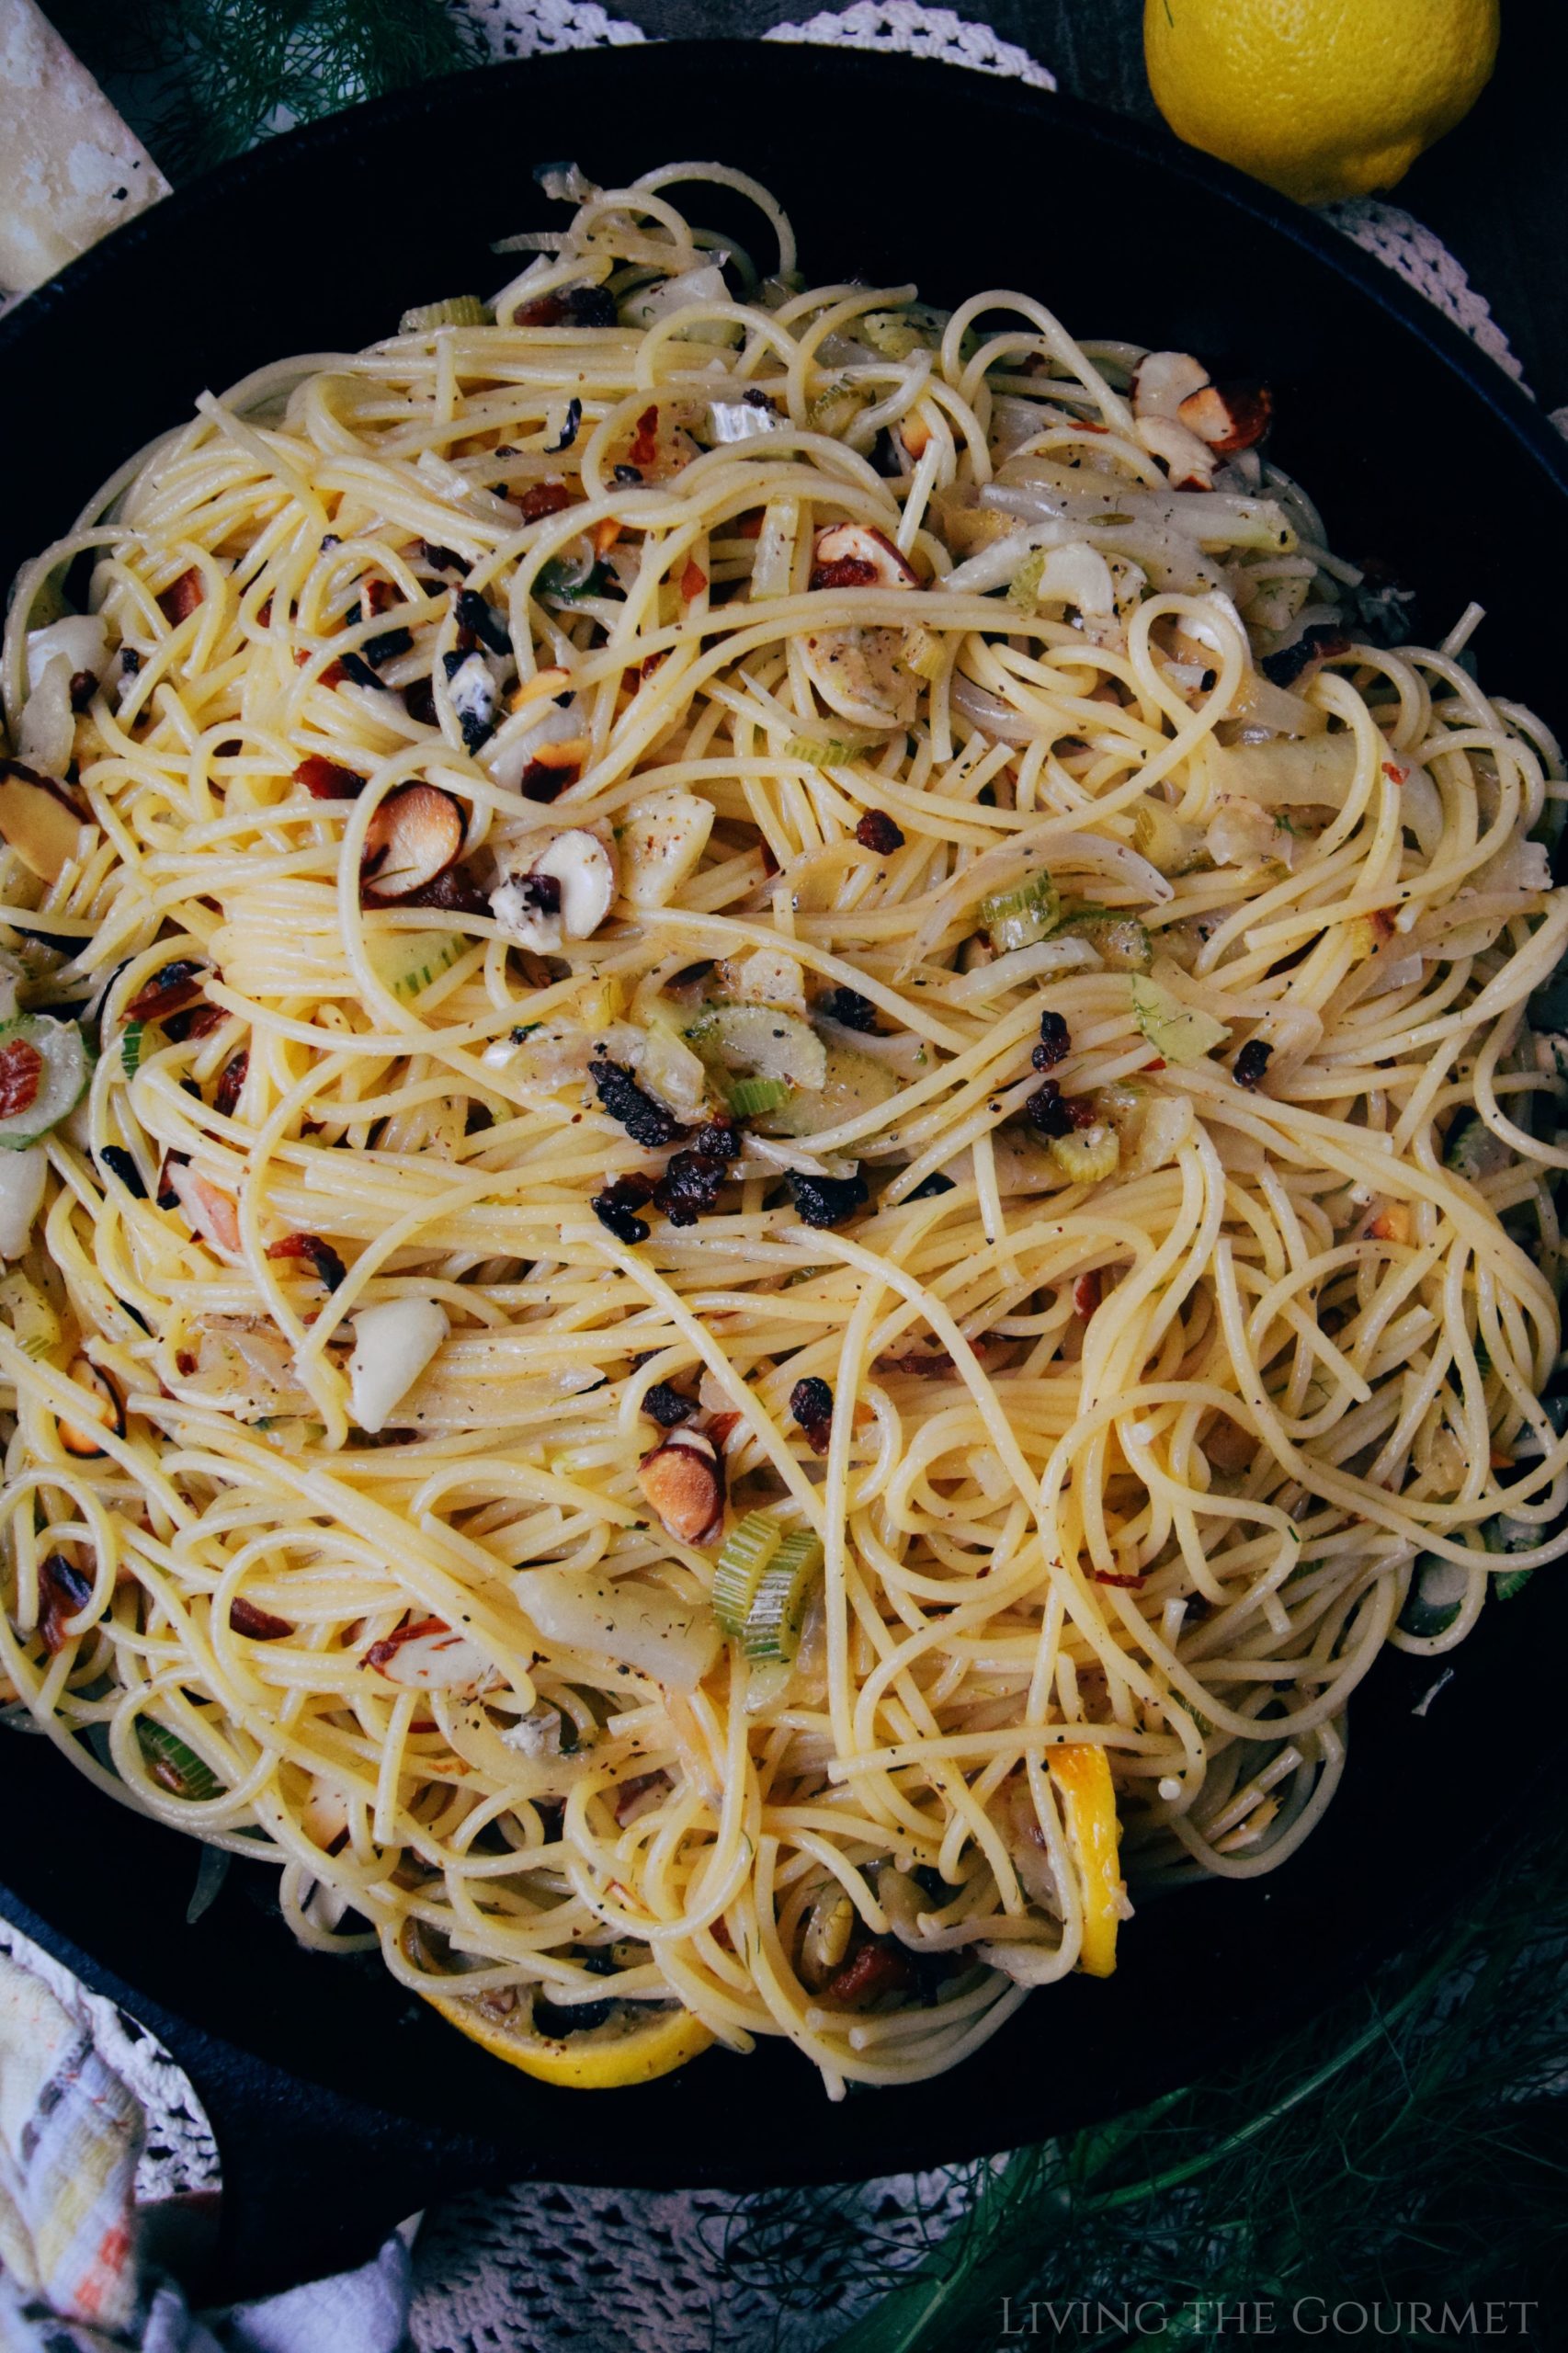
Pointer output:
747, 1550
853, 1083
759, 1041
777, 1610
1017, 918
1178, 1032
407, 961
457, 310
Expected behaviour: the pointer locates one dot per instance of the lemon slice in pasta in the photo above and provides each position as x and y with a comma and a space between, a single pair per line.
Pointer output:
1083, 1780
634, 2045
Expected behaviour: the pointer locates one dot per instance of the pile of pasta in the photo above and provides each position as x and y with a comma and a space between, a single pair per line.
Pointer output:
725, 923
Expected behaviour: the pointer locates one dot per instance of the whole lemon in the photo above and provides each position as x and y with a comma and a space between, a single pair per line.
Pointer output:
1319, 98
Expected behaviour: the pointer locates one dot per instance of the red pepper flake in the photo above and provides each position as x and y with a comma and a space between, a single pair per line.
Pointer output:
21, 1069
83, 685
325, 780
749, 526
257, 1625
1086, 1295
63, 1591
875, 1970
845, 572
693, 581
185, 1363
1156, 1063
181, 599
381, 1653
170, 990
1395, 773
226, 1099
542, 498
379, 596
645, 441
199, 1022
264, 615
877, 832
334, 675
1108, 1576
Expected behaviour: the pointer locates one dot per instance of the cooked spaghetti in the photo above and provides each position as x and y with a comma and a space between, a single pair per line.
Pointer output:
771, 1089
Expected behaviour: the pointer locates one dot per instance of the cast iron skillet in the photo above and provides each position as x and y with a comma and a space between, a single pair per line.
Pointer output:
341, 2103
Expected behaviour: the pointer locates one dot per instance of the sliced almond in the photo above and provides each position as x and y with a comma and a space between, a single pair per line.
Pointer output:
661, 840
1164, 379
550, 682
214, 1213
40, 820
428, 1656
1228, 417
106, 1411
857, 555
860, 674
683, 1480
565, 894
414, 836
1189, 462
323, 1817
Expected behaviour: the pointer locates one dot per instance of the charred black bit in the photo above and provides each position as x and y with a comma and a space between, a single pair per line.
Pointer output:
570, 306
485, 622
455, 892
1054, 1043
1047, 1113
552, 2019
388, 646
719, 1140
668, 1406
688, 1188
136, 1316
168, 990
617, 1205
63, 1590
167, 1197
120, 1163
130, 660
1321, 642
541, 892
936, 1183
826, 1200
850, 1010
568, 431
629, 477
1251, 1063
590, 306
876, 831
319, 1256
642, 1116
811, 1401
355, 668
755, 397
419, 701
83, 686
440, 559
